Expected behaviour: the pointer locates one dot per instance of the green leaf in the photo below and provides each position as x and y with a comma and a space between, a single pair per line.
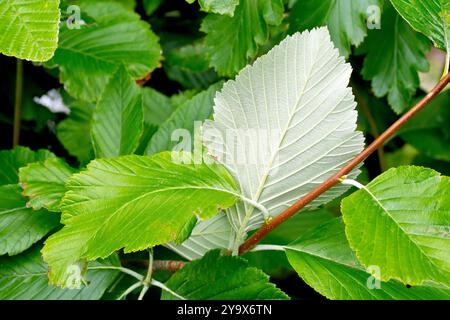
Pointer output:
29, 29
44, 183
88, 57
151, 6
323, 258
216, 277
118, 119
296, 100
395, 54
189, 66
198, 109
232, 42
346, 19
133, 202
12, 160
21, 227
157, 109
429, 132
217, 6
73, 131
24, 277
431, 17
402, 225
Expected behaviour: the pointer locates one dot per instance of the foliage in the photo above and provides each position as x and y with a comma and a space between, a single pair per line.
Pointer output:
179, 128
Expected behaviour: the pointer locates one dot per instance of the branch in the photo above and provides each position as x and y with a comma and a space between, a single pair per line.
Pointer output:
329, 183
158, 265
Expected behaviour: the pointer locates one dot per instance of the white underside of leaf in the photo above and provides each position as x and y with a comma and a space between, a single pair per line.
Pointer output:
298, 93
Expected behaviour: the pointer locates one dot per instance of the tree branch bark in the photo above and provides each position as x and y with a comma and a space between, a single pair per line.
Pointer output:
332, 181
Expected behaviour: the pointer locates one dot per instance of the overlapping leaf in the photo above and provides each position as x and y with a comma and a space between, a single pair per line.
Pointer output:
401, 224
118, 118
44, 183
29, 28
395, 55
179, 129
347, 20
217, 6
216, 277
297, 102
12, 160
21, 227
73, 131
88, 57
133, 202
431, 17
323, 258
24, 277
232, 42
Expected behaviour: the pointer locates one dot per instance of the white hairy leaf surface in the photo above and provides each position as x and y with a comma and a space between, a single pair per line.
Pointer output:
285, 125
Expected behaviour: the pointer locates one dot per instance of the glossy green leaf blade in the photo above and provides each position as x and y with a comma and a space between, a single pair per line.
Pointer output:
21, 227
178, 131
395, 55
216, 277
118, 119
29, 29
12, 160
323, 258
295, 122
133, 202
44, 183
72, 131
232, 42
402, 225
88, 57
24, 277
431, 17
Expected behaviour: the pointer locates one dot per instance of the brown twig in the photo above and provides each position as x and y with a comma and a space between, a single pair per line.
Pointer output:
158, 265
329, 183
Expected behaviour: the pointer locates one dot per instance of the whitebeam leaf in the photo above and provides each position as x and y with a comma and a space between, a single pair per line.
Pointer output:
133, 202
401, 223
296, 100
29, 29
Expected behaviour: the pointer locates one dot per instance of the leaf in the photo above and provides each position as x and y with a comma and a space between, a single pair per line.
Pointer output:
432, 18
395, 53
216, 277
429, 132
181, 125
157, 108
24, 277
117, 122
189, 66
232, 42
29, 29
402, 225
217, 6
151, 6
88, 57
294, 119
346, 19
72, 132
21, 227
12, 160
213, 233
133, 202
324, 260
44, 183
